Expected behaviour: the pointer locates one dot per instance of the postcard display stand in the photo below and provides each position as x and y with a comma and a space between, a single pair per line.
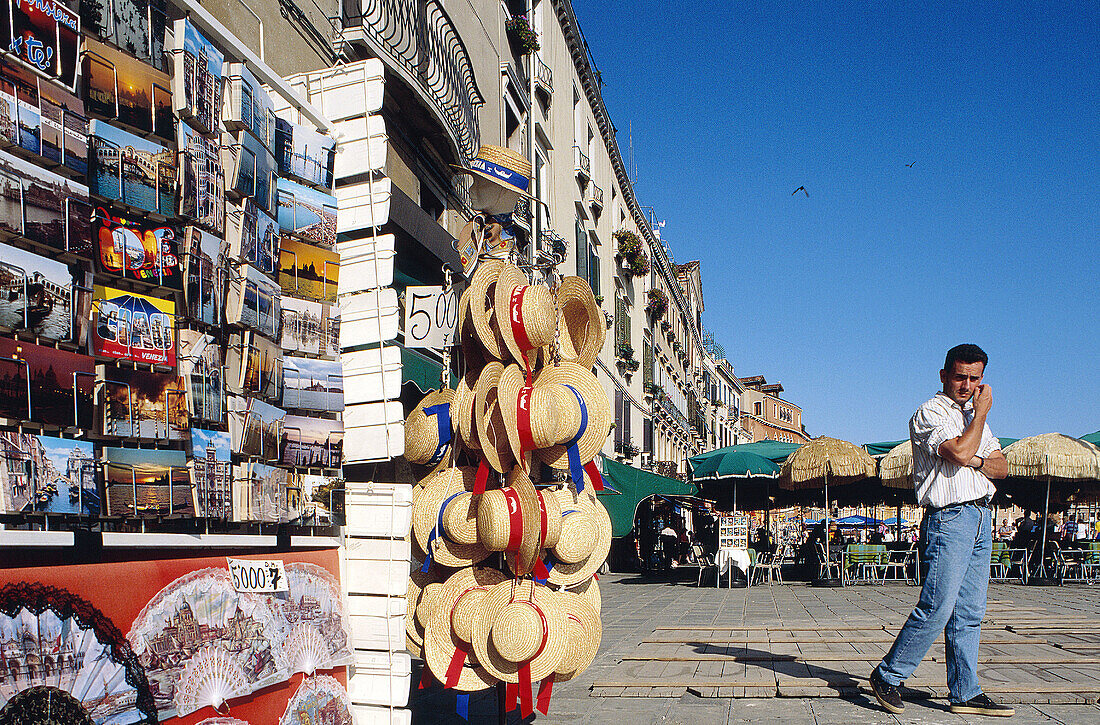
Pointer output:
169, 269
378, 513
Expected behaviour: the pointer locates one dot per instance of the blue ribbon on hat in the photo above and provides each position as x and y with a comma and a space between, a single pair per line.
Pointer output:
576, 468
506, 176
442, 413
437, 531
462, 705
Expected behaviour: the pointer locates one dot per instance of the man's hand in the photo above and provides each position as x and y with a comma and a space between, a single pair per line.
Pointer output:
983, 400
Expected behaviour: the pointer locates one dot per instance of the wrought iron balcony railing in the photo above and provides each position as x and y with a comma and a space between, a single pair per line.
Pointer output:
595, 197
581, 163
665, 468
544, 78
419, 41
665, 403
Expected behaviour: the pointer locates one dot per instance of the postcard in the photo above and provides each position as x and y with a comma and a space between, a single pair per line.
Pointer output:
133, 249
206, 268
307, 213
212, 473
202, 183
200, 367
43, 473
45, 385
304, 154
254, 427
44, 36
254, 301
253, 237
250, 170
311, 384
148, 483
132, 326
305, 328
37, 294
43, 206
248, 105
141, 404
132, 170
311, 442
128, 90
197, 81
259, 492
307, 271
62, 135
254, 366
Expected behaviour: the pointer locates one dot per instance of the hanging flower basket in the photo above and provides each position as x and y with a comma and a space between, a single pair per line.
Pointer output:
519, 30
657, 302
624, 351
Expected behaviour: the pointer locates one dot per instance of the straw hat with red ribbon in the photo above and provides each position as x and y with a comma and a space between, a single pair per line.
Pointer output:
585, 539
590, 590
512, 519
580, 321
462, 411
450, 628
428, 429
585, 631
444, 519
525, 315
520, 635
488, 421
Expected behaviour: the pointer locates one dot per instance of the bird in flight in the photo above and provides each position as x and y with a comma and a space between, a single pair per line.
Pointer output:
802, 189
910, 165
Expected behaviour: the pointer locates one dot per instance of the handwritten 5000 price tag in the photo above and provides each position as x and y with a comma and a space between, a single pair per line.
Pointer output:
430, 316
255, 576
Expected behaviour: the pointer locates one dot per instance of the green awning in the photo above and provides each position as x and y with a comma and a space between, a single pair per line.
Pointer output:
1091, 438
421, 371
881, 449
631, 487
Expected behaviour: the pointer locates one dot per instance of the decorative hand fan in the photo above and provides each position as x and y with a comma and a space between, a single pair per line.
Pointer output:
65, 662
202, 643
223, 721
320, 699
317, 621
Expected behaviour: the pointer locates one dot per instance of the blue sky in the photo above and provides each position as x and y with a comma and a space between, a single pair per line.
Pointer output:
851, 296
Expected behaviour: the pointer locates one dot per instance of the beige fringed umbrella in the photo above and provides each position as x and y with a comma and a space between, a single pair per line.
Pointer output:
896, 467
1052, 457
821, 460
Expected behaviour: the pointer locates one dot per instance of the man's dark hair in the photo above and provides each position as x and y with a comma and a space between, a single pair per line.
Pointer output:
965, 353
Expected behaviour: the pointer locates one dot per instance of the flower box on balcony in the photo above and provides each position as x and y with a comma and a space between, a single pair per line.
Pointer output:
520, 32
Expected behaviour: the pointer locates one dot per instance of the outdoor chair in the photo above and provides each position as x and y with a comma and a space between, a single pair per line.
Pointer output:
827, 565
1092, 561
753, 565
768, 566
1018, 559
704, 561
862, 560
1068, 568
896, 563
998, 564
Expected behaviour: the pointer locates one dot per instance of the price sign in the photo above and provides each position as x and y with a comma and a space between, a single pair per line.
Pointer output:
258, 576
430, 317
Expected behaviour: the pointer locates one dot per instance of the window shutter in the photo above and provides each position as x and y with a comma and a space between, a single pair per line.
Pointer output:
594, 271
647, 363
621, 331
582, 251
618, 418
647, 435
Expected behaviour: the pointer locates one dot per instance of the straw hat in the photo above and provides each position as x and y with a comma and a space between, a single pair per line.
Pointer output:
585, 539
450, 626
488, 420
581, 322
523, 307
422, 431
497, 520
582, 623
462, 410
553, 411
590, 590
418, 588
597, 409
504, 167
483, 314
474, 354
520, 622
444, 518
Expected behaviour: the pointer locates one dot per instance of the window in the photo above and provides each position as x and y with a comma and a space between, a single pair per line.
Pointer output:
622, 322
647, 361
594, 270
618, 418
757, 408
647, 435
582, 250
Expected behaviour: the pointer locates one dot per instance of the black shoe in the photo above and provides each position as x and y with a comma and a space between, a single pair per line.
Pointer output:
982, 705
889, 696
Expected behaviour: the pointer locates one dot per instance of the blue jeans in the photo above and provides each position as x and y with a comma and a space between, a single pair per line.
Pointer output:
956, 545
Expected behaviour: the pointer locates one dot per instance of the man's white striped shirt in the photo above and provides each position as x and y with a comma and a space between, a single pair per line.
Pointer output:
939, 482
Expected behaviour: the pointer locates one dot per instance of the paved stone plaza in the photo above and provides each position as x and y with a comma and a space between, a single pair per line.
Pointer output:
674, 653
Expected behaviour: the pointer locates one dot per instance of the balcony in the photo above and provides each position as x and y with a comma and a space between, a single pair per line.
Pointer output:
665, 468
664, 404
595, 198
581, 165
419, 43
544, 79
521, 215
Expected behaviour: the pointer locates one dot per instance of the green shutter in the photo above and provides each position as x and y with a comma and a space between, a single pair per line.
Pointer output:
582, 251
594, 272
647, 363
622, 333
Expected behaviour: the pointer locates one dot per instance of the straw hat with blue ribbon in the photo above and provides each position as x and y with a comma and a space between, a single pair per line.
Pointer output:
428, 430
502, 166
444, 519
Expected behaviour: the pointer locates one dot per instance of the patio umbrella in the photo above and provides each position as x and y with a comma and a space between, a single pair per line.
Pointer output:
815, 462
896, 471
733, 466
1052, 457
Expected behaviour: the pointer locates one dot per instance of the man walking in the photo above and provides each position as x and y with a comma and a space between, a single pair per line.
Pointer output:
954, 457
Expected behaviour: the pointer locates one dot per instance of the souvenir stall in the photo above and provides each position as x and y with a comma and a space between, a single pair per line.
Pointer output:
172, 389
507, 532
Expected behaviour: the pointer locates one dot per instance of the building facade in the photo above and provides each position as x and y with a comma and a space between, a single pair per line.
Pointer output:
768, 416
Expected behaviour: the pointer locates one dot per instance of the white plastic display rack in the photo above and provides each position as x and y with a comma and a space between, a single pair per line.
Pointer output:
380, 678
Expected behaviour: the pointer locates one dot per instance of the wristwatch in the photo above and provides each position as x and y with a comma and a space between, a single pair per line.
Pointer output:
979, 466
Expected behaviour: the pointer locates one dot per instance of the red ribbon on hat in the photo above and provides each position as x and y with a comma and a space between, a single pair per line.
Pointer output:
511, 694
515, 519
482, 477
523, 419
454, 670
425, 678
593, 472
541, 572
526, 708
546, 689
519, 332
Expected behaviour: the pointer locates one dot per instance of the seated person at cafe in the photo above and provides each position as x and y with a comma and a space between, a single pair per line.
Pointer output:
763, 542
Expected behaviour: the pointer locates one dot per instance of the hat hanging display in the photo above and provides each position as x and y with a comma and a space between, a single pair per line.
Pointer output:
511, 519
508, 174
474, 355
582, 621
590, 590
580, 321
450, 628
597, 418
428, 429
416, 591
483, 313
520, 633
585, 539
444, 519
462, 411
524, 315
488, 420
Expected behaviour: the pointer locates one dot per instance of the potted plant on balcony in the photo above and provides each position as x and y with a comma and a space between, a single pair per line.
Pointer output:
653, 390
599, 299
656, 302
624, 351
630, 252
520, 32
665, 325
630, 450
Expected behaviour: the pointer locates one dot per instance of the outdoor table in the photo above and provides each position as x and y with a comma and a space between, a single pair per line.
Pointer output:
730, 557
